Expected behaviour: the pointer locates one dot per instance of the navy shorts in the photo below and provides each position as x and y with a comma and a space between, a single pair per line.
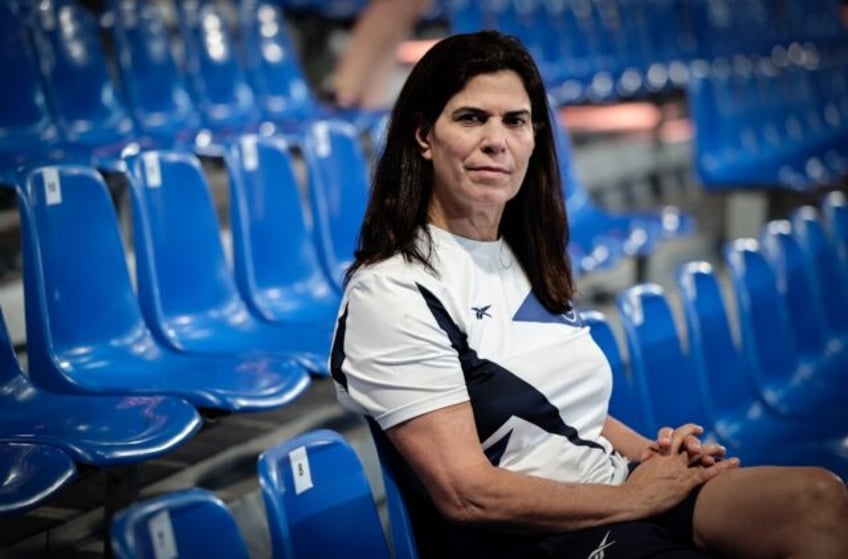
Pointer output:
667, 536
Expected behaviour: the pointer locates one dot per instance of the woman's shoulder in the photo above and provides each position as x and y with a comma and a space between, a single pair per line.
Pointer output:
391, 274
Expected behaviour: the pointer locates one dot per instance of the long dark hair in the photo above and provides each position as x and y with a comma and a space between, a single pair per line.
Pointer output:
534, 222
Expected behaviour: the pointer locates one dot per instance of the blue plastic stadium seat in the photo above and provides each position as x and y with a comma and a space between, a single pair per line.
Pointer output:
821, 256
189, 524
277, 267
678, 394
272, 67
217, 77
626, 402
400, 524
338, 177
834, 209
766, 324
85, 331
97, 430
156, 92
186, 288
86, 105
318, 500
660, 367
27, 129
795, 283
740, 417
30, 474
801, 258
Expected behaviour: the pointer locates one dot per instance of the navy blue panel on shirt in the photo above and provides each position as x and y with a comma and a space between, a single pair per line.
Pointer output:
531, 310
497, 394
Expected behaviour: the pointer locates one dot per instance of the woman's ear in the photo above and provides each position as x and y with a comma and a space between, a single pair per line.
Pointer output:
422, 136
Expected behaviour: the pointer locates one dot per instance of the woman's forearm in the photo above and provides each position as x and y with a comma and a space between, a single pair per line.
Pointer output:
624, 439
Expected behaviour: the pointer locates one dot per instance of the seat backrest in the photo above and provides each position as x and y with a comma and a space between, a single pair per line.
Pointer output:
796, 282
10, 367
272, 65
180, 262
85, 102
661, 368
338, 177
77, 287
766, 331
273, 246
834, 209
625, 403
31, 474
26, 124
216, 74
153, 84
400, 524
829, 287
722, 371
189, 524
318, 499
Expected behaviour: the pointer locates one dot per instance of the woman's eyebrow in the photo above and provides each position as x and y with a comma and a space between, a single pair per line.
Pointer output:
478, 110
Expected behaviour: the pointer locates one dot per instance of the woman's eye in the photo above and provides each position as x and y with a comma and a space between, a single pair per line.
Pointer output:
470, 118
515, 121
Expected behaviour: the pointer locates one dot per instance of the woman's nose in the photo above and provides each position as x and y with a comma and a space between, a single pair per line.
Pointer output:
494, 137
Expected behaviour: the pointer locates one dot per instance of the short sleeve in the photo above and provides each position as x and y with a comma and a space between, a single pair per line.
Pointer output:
396, 362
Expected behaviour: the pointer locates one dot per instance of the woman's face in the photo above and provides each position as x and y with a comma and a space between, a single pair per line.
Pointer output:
479, 146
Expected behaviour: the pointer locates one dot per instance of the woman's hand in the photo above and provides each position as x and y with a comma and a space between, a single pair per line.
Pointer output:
666, 479
684, 439
673, 465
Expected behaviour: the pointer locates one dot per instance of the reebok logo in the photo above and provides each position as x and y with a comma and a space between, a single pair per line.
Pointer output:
598, 553
480, 312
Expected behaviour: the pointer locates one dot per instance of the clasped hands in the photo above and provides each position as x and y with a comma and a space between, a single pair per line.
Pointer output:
674, 464
684, 439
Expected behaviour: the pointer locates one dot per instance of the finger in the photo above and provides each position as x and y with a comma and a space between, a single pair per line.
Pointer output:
710, 472
701, 460
706, 460
713, 449
664, 437
681, 433
692, 445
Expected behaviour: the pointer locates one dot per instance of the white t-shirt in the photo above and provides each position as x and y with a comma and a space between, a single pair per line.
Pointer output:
409, 342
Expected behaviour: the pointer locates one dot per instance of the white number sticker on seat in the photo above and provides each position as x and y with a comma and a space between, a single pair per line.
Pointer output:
152, 170
52, 186
162, 536
300, 470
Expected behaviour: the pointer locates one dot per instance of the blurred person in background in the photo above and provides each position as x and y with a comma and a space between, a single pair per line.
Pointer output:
362, 74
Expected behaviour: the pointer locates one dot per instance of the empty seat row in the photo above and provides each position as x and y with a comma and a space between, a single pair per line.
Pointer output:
317, 499
67, 106
767, 124
599, 51
135, 365
771, 390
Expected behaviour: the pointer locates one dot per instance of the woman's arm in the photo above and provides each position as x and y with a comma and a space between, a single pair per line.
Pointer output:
625, 440
443, 449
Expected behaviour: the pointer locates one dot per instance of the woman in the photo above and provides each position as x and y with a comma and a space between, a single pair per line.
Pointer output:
457, 336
